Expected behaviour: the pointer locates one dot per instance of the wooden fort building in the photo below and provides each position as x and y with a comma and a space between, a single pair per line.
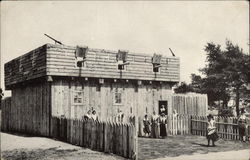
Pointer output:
59, 80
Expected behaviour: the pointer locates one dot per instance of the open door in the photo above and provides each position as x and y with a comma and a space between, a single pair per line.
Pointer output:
163, 107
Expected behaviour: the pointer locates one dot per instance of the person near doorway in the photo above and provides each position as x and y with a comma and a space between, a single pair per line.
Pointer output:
163, 125
94, 116
175, 114
154, 125
120, 116
211, 131
162, 109
88, 115
242, 124
146, 124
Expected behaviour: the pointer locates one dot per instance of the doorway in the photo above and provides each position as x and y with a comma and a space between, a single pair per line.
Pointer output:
163, 107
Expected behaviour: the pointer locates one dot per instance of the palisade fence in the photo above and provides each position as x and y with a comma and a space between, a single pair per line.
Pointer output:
227, 127
176, 125
108, 137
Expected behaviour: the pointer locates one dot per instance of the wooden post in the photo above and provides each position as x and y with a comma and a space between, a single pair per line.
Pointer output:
136, 133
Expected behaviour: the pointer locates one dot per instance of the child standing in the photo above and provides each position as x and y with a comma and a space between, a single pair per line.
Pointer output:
146, 124
242, 124
211, 131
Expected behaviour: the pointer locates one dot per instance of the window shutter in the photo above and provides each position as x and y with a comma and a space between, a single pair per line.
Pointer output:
81, 51
156, 59
122, 56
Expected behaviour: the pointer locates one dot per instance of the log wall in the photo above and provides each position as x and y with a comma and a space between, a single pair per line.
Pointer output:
60, 60
26, 67
102, 64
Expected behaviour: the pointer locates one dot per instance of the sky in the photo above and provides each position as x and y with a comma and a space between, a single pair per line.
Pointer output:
138, 26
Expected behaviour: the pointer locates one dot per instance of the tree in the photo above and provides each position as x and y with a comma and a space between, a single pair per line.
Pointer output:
183, 88
236, 69
225, 70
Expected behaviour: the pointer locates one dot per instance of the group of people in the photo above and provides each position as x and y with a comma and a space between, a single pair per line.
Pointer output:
91, 115
211, 128
157, 122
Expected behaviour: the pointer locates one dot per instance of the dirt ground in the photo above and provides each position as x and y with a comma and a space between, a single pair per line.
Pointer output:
20, 147
191, 147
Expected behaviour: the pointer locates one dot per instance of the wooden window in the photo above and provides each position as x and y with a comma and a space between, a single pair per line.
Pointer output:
121, 67
156, 61
77, 97
81, 51
155, 68
117, 97
121, 58
80, 63
80, 55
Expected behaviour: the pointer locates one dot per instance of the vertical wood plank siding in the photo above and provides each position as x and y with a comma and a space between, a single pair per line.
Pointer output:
191, 104
101, 98
27, 111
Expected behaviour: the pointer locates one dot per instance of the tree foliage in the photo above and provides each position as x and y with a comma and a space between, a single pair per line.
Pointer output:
226, 71
183, 88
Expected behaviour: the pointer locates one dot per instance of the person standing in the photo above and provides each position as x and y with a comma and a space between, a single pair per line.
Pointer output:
242, 124
88, 115
146, 124
154, 125
211, 131
94, 116
175, 114
162, 109
163, 124
120, 116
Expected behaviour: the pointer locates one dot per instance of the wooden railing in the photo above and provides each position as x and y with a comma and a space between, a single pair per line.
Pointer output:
106, 137
227, 127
